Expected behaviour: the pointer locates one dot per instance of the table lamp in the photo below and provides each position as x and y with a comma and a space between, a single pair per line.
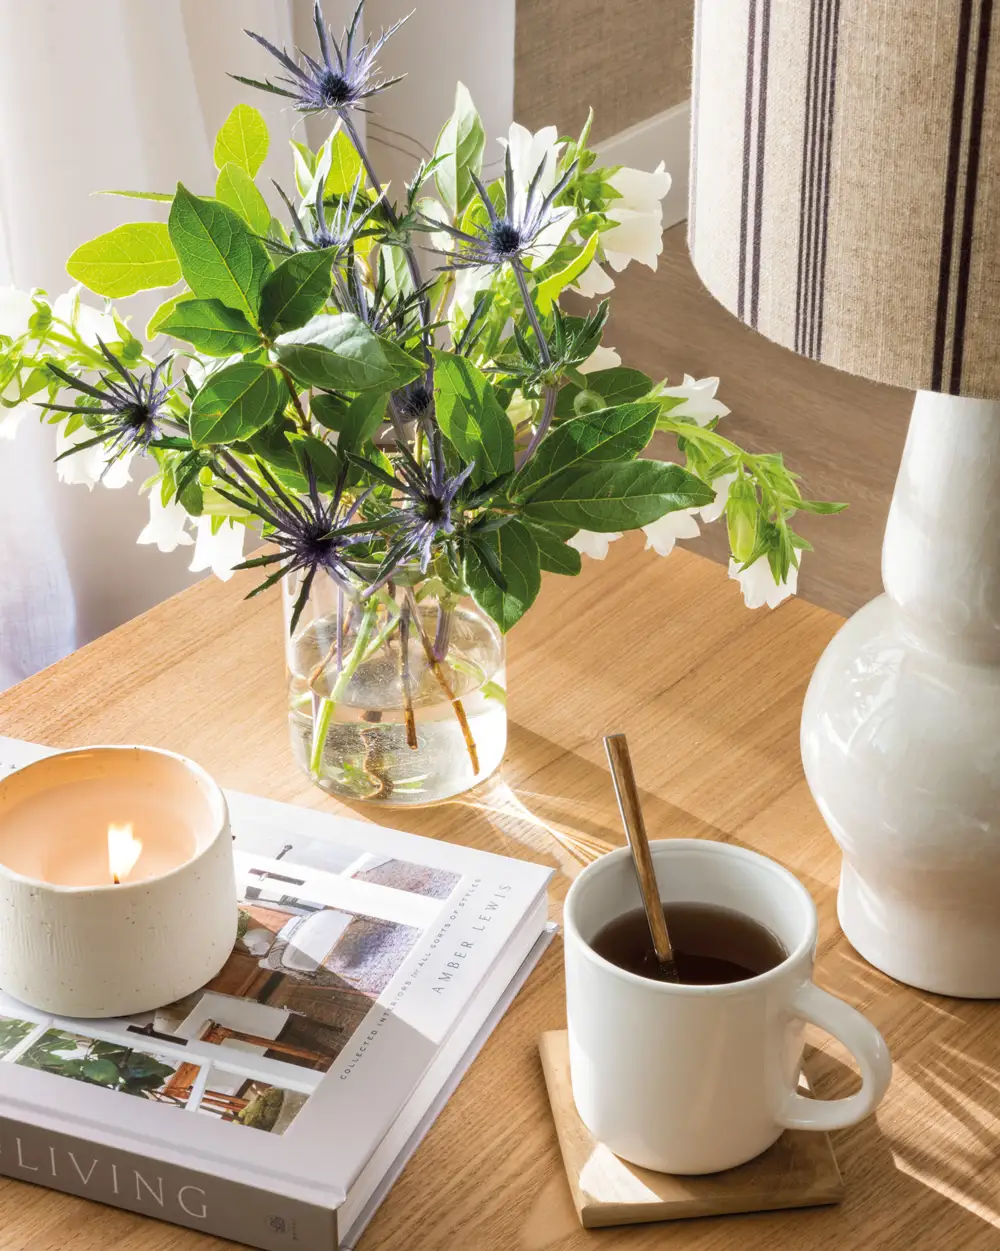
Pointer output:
845, 203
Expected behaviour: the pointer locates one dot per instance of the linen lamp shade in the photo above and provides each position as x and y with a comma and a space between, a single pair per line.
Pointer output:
845, 189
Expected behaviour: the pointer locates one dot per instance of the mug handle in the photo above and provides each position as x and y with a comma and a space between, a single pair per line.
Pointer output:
863, 1041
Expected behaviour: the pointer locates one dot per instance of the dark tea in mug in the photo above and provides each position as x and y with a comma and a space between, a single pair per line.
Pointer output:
713, 946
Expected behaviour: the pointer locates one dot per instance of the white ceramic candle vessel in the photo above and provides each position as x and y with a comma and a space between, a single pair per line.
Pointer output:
75, 942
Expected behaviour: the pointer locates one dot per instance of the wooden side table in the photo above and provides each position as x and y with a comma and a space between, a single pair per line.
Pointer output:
710, 697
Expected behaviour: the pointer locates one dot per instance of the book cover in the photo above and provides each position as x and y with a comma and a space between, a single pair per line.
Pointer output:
252, 1107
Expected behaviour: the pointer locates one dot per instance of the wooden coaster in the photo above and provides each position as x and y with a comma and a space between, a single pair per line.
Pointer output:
799, 1171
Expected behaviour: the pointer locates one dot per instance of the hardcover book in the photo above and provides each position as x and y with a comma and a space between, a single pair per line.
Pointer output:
276, 1105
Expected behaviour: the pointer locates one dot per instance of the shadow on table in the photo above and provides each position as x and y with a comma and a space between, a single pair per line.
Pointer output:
885, 1204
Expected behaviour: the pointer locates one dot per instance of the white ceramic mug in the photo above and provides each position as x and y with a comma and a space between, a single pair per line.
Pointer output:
694, 1079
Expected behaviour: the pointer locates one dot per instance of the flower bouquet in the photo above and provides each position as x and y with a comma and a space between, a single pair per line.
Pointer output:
389, 389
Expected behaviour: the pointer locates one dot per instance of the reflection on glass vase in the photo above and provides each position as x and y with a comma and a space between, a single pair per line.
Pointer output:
398, 698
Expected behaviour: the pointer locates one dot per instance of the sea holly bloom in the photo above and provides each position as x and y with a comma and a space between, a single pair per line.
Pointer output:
429, 495
311, 532
344, 77
529, 227
638, 216
167, 525
339, 232
220, 551
126, 415
698, 400
662, 534
758, 585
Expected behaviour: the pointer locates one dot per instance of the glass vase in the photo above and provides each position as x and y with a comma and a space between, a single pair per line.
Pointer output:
394, 698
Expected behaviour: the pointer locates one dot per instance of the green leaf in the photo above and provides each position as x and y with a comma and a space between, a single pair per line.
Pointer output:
516, 553
235, 188
470, 416
549, 290
160, 196
821, 507
296, 291
325, 460
459, 148
355, 421
242, 139
235, 403
155, 323
220, 258
617, 495
617, 385
610, 434
211, 327
338, 351
130, 258
554, 555
345, 165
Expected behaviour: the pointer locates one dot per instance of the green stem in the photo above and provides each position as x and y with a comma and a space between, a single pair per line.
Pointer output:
321, 727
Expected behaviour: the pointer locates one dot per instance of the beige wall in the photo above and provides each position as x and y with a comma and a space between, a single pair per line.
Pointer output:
629, 59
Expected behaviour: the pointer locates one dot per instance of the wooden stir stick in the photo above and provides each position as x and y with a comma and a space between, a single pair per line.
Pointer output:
616, 745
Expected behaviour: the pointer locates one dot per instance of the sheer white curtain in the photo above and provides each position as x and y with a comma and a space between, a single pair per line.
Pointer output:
127, 94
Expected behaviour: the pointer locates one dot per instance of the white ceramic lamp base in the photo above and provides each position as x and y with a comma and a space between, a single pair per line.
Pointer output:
901, 724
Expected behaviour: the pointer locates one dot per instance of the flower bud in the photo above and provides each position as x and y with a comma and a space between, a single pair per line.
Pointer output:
588, 402
742, 516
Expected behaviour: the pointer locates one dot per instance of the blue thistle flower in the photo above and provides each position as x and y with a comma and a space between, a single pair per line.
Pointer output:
395, 314
345, 76
429, 493
339, 232
509, 237
127, 413
311, 532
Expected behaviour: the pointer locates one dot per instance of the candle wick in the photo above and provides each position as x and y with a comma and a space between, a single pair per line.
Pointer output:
116, 879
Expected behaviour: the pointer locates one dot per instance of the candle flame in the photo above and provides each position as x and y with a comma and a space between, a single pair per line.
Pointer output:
123, 851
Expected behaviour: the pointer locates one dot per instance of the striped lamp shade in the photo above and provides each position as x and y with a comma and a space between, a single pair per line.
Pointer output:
845, 185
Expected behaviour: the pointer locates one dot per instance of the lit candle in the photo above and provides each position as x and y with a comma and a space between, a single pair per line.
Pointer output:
117, 891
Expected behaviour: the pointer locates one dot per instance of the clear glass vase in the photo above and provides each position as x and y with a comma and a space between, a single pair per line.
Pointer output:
398, 698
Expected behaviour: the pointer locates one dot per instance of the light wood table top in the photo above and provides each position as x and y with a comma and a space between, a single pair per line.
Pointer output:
709, 694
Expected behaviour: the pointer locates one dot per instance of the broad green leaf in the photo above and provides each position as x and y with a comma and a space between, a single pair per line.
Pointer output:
610, 434
296, 291
398, 280
325, 460
617, 385
617, 495
554, 555
345, 165
130, 258
155, 324
211, 327
355, 421
470, 416
460, 149
242, 139
160, 196
516, 552
549, 290
220, 257
101, 1072
235, 403
235, 188
338, 351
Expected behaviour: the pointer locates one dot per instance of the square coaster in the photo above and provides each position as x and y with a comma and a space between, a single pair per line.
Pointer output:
800, 1170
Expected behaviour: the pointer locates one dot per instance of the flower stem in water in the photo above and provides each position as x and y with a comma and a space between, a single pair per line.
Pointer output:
321, 727
438, 670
